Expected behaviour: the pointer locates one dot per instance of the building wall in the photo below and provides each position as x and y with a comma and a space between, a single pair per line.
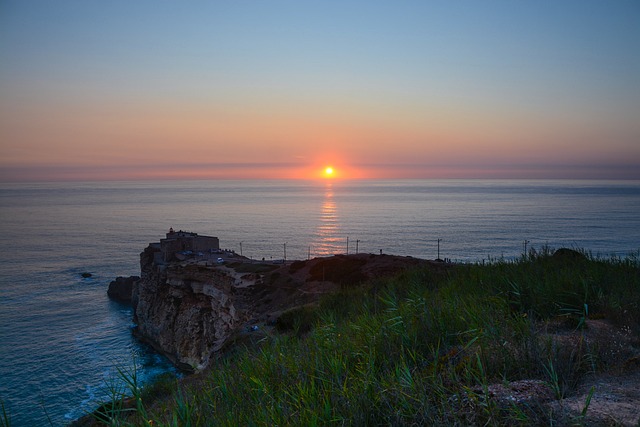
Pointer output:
185, 241
168, 247
204, 243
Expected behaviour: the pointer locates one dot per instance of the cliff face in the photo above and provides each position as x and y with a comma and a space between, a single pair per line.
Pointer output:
186, 312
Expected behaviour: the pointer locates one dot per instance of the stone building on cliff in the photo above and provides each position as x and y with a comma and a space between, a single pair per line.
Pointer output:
178, 242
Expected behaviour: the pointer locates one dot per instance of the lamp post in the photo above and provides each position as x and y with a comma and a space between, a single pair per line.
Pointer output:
525, 247
347, 245
439, 240
285, 252
357, 241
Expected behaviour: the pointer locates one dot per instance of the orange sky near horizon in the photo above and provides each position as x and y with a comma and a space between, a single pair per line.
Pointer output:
181, 141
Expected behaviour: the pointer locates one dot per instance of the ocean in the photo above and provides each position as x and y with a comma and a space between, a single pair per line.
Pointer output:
62, 340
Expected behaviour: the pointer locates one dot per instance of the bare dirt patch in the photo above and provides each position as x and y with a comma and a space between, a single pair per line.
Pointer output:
611, 398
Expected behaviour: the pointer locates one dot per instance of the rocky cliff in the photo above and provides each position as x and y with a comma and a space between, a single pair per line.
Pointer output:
190, 310
186, 311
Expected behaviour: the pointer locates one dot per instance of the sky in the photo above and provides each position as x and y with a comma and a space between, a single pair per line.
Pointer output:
126, 90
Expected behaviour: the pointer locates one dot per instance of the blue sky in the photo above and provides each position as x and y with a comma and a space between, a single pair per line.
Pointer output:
114, 90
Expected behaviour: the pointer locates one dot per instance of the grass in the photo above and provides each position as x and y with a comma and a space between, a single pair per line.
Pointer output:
5, 419
422, 348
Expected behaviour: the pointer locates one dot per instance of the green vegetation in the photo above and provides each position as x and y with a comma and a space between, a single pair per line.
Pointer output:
424, 348
5, 420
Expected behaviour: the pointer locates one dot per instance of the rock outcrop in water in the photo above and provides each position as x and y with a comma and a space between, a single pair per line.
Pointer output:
191, 309
121, 289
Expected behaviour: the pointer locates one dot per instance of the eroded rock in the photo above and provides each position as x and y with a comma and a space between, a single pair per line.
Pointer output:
186, 312
121, 289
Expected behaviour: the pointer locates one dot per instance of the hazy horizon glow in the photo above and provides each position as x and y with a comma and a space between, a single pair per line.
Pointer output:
255, 90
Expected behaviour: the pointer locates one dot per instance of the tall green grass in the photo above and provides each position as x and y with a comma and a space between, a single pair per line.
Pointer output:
420, 348
5, 419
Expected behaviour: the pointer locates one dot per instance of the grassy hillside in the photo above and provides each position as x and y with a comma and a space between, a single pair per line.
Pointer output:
504, 343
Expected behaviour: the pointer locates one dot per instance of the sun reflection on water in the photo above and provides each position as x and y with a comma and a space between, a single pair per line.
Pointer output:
328, 240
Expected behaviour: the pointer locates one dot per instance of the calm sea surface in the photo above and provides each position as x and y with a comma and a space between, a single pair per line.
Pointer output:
62, 340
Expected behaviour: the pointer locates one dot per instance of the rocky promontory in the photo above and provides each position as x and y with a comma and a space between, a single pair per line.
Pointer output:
184, 310
190, 309
193, 300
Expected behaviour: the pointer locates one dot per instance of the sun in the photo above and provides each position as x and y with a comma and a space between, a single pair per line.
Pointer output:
328, 171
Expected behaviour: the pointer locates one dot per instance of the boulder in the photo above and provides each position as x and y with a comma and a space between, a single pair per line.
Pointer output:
121, 289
